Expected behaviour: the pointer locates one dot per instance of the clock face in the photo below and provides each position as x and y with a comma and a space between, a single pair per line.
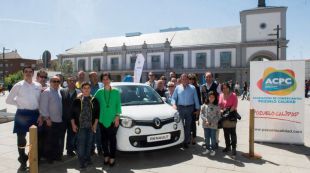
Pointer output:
263, 25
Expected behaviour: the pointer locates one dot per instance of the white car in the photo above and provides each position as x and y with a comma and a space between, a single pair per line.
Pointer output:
147, 122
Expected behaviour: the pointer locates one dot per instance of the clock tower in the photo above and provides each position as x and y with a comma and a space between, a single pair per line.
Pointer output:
259, 22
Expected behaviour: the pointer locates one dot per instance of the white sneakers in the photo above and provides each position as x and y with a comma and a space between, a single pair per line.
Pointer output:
206, 151
212, 152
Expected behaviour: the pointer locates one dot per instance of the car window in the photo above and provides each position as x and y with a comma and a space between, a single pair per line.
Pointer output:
138, 95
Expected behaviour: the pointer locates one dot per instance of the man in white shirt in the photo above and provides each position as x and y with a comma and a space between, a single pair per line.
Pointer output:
25, 95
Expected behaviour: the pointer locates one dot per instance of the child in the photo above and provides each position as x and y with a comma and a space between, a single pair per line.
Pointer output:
210, 115
84, 120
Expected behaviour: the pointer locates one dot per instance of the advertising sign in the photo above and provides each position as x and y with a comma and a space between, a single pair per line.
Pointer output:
277, 95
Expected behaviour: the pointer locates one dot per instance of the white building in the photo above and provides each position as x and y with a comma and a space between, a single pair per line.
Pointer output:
224, 51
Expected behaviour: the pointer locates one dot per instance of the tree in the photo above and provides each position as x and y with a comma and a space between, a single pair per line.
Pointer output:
67, 67
55, 66
13, 78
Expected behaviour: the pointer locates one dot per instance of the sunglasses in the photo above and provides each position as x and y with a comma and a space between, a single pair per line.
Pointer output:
43, 77
55, 81
170, 86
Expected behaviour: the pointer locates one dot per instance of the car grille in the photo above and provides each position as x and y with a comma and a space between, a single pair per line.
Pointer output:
141, 141
152, 122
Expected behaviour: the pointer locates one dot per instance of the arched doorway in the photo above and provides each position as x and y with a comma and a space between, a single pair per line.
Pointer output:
262, 56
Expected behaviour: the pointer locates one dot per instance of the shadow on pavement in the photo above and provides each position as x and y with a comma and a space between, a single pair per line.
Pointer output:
298, 149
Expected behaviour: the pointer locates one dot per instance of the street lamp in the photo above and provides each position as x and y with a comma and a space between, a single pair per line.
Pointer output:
3, 64
277, 29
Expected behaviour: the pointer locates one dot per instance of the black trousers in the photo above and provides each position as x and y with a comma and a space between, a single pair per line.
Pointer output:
21, 143
108, 139
193, 126
230, 137
53, 142
41, 141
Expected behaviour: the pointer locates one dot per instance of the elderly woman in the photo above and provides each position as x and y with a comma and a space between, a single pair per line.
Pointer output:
160, 88
228, 103
169, 93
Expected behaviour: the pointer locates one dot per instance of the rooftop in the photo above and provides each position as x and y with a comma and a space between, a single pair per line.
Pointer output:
194, 37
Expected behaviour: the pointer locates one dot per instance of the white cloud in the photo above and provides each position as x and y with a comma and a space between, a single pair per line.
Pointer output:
23, 21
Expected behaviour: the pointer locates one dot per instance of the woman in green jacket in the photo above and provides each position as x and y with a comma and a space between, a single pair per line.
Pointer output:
110, 110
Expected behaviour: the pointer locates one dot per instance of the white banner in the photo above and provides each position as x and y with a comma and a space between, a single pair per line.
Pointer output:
138, 68
277, 90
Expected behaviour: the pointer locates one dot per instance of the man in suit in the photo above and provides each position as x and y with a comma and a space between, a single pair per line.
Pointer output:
68, 95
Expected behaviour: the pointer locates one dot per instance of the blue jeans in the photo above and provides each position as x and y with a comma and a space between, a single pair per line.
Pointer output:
186, 113
97, 140
84, 137
210, 136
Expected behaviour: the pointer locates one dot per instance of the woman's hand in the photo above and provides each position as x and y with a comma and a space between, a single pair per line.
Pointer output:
116, 121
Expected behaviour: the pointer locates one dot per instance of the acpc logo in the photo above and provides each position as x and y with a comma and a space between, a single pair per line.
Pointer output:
277, 82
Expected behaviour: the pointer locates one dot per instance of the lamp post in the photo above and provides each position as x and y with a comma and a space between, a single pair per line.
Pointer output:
3, 64
277, 29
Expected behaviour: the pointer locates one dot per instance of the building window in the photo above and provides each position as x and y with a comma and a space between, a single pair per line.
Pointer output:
21, 64
114, 64
81, 65
155, 62
1, 65
96, 64
132, 62
225, 59
178, 60
201, 60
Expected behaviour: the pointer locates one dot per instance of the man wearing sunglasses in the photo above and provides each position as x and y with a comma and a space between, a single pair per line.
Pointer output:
25, 95
42, 79
51, 110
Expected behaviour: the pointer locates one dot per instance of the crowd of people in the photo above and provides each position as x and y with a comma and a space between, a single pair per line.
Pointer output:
215, 103
88, 113
75, 111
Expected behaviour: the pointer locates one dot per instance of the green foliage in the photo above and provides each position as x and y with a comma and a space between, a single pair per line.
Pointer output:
55, 66
67, 67
13, 78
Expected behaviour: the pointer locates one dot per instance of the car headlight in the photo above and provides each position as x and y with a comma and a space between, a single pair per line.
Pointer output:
177, 117
127, 122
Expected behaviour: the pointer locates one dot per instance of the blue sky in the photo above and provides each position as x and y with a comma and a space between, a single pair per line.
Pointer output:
32, 26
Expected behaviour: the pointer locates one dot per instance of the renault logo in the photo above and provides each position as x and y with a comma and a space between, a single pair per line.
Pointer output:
157, 122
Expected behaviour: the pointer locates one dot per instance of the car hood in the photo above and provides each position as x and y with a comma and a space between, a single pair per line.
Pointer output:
148, 112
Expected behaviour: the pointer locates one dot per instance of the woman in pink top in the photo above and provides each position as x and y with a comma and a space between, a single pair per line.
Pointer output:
228, 101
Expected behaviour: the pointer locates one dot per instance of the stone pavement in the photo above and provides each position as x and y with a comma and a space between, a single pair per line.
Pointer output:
276, 157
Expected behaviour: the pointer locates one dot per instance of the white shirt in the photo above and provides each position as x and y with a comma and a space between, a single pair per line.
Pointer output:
218, 89
25, 95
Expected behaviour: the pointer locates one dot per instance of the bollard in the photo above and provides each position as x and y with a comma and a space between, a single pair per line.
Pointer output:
33, 150
251, 154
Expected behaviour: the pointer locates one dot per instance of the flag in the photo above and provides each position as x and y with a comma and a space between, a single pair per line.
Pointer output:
138, 68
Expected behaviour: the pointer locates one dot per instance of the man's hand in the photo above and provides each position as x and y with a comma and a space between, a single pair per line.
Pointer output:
116, 121
49, 122
94, 128
174, 107
74, 128
197, 112
40, 121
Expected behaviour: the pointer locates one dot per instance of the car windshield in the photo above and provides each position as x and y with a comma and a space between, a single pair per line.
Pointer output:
138, 95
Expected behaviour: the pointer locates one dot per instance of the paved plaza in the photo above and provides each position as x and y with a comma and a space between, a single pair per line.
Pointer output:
275, 157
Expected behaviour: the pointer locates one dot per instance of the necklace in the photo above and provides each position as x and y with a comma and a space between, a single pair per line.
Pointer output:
105, 98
